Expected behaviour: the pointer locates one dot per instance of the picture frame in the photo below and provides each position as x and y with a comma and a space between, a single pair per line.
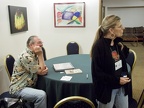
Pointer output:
18, 19
69, 14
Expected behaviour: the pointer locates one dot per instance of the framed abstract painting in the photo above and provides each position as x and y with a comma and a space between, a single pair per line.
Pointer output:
69, 14
18, 19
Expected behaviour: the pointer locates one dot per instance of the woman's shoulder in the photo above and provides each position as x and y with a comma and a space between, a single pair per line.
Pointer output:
101, 42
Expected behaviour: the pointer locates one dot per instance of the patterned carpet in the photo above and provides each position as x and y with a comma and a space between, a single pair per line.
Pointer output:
138, 72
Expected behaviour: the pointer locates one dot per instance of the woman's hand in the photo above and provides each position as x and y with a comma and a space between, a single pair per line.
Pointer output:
124, 80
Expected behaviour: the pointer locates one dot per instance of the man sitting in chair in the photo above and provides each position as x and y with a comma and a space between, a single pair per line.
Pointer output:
29, 64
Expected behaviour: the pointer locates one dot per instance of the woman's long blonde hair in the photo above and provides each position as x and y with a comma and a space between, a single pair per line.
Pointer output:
108, 22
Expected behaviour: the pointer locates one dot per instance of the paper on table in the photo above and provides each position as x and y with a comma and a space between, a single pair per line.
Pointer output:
63, 66
73, 71
66, 78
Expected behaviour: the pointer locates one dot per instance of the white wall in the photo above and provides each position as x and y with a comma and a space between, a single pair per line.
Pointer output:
56, 39
131, 17
41, 23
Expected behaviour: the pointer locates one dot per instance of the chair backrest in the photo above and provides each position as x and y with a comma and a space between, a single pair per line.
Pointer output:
131, 59
9, 63
75, 102
72, 48
44, 53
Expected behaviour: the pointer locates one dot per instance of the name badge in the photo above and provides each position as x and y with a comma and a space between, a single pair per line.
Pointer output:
118, 64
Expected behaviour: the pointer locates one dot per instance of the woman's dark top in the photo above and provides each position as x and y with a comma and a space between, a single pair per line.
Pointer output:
103, 68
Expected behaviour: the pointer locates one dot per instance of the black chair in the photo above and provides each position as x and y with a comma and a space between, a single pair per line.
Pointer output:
131, 60
75, 102
44, 53
72, 48
8, 63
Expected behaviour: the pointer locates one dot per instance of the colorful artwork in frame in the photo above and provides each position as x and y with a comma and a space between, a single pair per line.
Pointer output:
18, 19
69, 14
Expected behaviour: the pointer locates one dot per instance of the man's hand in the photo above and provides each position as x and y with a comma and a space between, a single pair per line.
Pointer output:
38, 50
43, 72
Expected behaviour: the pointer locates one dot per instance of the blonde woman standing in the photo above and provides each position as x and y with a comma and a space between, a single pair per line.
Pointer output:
109, 69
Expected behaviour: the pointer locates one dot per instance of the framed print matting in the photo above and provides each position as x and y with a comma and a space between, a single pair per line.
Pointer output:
69, 14
18, 19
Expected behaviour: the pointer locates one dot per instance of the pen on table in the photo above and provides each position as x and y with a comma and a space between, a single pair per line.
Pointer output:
87, 76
